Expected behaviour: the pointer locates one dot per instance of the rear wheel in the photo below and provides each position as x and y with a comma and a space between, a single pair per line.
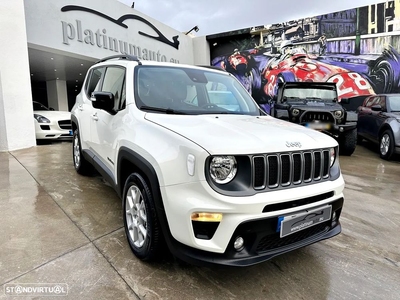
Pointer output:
140, 218
386, 145
348, 142
82, 166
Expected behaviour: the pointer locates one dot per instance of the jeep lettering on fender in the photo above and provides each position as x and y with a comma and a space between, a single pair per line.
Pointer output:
198, 165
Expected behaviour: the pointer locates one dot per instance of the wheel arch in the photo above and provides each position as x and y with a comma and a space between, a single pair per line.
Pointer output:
131, 162
74, 123
384, 127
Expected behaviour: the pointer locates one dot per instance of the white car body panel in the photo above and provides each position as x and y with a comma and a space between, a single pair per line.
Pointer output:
166, 140
55, 131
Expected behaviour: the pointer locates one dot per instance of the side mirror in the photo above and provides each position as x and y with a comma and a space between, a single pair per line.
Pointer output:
103, 100
376, 107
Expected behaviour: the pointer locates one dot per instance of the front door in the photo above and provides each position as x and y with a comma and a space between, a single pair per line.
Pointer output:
105, 125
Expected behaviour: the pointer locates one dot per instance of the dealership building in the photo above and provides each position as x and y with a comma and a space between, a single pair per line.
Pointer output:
47, 49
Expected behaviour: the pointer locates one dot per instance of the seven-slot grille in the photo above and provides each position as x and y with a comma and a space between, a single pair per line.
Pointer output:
285, 169
311, 116
65, 124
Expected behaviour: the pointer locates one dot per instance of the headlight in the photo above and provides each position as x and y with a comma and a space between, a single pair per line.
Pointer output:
223, 169
295, 112
332, 155
41, 119
338, 114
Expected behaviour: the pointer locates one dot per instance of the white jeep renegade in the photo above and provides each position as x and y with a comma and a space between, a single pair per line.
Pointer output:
199, 166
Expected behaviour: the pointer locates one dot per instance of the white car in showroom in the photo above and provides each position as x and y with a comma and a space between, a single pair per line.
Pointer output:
218, 183
50, 124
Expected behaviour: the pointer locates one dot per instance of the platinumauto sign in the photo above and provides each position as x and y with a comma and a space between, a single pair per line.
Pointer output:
98, 37
98, 28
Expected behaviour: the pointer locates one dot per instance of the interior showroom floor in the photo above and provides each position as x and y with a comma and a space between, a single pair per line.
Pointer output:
59, 227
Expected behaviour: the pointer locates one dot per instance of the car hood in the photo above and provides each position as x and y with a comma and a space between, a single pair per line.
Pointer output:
239, 134
54, 115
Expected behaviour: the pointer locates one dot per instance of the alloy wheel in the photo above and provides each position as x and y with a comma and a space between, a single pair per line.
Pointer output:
77, 153
385, 144
136, 217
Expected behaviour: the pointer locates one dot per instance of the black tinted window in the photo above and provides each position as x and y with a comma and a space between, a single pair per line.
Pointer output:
114, 83
94, 81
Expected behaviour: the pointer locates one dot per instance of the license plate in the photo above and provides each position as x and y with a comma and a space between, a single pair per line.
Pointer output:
295, 223
70, 132
319, 126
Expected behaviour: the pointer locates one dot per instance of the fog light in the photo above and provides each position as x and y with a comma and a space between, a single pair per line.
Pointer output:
206, 217
239, 244
334, 216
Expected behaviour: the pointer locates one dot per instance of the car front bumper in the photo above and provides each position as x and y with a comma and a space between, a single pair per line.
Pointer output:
51, 131
244, 216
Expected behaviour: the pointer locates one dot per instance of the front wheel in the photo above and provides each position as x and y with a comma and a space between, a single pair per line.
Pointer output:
140, 218
348, 142
386, 145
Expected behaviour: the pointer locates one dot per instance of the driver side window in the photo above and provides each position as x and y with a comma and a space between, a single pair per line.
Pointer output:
114, 82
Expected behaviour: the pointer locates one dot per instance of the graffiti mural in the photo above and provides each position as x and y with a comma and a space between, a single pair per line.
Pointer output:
358, 49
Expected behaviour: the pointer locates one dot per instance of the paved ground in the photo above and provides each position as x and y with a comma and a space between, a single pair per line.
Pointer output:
59, 227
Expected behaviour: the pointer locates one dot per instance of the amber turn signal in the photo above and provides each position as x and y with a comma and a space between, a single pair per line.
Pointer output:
206, 217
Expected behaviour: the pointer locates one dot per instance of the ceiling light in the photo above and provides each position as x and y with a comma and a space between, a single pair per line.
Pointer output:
76, 80
76, 86
80, 74
55, 70
31, 74
82, 65
76, 90
51, 58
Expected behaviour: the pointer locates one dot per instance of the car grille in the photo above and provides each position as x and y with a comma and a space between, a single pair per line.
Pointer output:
274, 241
311, 116
286, 169
65, 124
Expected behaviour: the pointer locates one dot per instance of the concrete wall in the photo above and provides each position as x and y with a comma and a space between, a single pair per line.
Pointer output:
16, 111
201, 51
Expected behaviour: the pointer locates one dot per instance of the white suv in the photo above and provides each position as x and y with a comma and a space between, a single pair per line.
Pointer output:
199, 166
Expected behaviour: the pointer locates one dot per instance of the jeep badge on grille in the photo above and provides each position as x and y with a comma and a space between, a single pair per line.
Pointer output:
293, 144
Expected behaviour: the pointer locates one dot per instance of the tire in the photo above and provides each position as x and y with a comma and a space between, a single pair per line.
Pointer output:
348, 142
82, 166
141, 226
386, 145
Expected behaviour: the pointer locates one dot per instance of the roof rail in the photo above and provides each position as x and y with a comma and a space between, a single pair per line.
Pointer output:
121, 56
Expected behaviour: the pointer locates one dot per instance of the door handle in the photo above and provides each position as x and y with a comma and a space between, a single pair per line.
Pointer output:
95, 117
80, 106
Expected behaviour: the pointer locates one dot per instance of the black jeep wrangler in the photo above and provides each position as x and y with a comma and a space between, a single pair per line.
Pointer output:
315, 105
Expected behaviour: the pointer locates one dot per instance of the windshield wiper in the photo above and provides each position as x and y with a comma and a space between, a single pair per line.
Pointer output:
164, 110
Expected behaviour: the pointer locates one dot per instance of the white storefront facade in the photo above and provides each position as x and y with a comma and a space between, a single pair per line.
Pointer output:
48, 45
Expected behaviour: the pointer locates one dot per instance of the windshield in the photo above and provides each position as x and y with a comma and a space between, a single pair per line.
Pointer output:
38, 106
312, 93
191, 91
394, 103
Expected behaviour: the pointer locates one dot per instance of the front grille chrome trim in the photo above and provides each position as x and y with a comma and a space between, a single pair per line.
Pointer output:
273, 179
